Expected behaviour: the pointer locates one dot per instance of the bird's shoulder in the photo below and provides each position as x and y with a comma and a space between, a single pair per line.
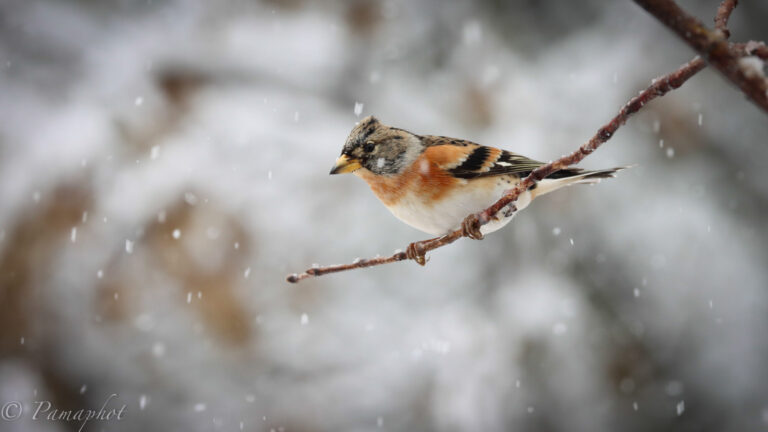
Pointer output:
468, 160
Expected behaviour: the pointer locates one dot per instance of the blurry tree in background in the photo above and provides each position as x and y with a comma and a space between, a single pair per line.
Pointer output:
163, 165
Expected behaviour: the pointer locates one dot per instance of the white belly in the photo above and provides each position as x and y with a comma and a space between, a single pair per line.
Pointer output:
447, 214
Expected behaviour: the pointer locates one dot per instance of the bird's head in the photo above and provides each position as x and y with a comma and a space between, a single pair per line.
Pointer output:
379, 148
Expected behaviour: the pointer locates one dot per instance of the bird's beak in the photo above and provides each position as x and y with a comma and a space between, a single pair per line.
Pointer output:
345, 164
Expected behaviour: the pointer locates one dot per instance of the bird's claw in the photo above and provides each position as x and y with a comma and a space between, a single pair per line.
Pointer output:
470, 227
416, 251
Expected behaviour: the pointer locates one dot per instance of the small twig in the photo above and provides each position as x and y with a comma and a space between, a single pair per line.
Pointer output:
712, 45
416, 251
319, 271
723, 14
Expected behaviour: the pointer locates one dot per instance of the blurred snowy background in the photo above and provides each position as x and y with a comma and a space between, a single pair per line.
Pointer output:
164, 165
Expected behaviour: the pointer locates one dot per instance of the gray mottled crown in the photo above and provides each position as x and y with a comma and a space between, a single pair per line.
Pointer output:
380, 148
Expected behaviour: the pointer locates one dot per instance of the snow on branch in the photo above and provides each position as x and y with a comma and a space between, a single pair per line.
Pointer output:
659, 87
753, 48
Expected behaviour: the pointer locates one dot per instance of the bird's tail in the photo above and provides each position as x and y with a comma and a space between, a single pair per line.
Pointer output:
569, 176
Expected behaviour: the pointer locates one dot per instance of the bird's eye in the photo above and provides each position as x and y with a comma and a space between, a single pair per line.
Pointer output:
368, 147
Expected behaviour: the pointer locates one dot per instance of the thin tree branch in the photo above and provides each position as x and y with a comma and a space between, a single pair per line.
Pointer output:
712, 45
660, 87
416, 251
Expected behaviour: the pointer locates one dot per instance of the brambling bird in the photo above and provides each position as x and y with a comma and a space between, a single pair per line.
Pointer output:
433, 183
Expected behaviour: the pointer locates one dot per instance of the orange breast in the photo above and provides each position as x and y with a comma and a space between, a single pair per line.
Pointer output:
424, 178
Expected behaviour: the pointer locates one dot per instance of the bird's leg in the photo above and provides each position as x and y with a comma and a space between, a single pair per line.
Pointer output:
416, 251
470, 227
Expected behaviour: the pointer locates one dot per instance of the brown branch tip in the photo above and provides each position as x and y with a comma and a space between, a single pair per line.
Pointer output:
723, 14
714, 47
470, 227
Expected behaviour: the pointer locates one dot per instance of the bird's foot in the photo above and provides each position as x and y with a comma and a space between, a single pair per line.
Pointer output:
470, 227
416, 251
